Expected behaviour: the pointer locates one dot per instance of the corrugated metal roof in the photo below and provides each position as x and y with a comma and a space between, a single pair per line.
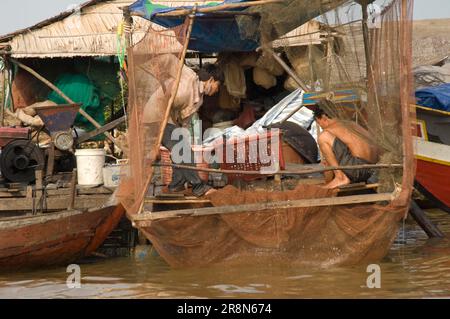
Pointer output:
90, 30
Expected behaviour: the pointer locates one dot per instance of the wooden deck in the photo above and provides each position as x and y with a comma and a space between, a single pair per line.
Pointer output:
16, 197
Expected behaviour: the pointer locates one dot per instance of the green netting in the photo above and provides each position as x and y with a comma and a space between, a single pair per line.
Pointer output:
81, 90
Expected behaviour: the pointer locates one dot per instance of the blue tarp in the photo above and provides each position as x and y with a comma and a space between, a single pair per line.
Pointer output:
437, 97
210, 33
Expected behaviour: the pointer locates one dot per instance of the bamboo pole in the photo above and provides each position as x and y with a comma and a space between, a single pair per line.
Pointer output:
142, 219
170, 104
176, 201
65, 97
285, 172
365, 28
406, 89
222, 7
286, 68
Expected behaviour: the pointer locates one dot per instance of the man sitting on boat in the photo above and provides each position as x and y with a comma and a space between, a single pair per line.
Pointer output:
345, 144
188, 100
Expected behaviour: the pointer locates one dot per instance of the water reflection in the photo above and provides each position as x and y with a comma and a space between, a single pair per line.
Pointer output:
415, 267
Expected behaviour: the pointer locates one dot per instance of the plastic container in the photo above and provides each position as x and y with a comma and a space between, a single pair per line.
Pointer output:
111, 175
251, 160
90, 164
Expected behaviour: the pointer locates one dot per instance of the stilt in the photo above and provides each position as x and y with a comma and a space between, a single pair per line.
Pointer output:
424, 222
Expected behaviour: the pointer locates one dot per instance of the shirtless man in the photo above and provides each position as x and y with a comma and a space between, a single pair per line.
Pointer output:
345, 144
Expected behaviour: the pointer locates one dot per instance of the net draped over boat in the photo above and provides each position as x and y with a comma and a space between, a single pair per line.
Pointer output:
318, 235
153, 62
339, 62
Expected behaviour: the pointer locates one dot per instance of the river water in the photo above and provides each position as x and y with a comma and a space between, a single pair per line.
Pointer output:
414, 267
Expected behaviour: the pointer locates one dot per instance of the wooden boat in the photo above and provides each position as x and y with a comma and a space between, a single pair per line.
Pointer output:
305, 225
57, 238
433, 155
44, 226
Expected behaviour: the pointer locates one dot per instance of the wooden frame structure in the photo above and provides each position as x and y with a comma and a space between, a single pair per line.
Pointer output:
400, 195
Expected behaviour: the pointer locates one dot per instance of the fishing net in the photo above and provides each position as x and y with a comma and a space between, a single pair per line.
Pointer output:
378, 77
339, 59
153, 63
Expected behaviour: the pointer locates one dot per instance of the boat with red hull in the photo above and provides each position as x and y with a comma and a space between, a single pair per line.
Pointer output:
58, 238
433, 155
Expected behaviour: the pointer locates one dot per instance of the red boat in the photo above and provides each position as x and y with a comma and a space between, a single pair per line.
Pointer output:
433, 155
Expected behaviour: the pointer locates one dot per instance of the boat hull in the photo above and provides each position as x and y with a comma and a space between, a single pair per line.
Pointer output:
55, 238
433, 171
311, 236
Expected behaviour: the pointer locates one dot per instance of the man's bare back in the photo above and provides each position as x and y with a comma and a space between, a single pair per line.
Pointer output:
345, 144
356, 138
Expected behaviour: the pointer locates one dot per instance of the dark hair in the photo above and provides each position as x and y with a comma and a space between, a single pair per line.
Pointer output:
318, 112
323, 107
210, 71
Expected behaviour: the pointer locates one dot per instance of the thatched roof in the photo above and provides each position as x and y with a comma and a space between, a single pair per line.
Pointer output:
89, 30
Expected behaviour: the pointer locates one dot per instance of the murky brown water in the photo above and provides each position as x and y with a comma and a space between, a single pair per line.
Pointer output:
415, 267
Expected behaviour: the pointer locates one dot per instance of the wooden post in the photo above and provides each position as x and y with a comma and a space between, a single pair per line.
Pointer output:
170, 103
424, 222
65, 97
73, 189
311, 67
330, 51
50, 160
38, 188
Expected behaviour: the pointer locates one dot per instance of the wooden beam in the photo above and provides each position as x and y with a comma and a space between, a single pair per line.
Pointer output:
288, 70
153, 200
54, 203
141, 219
101, 130
285, 172
424, 222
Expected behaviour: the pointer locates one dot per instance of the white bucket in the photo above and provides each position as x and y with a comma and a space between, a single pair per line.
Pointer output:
90, 164
111, 175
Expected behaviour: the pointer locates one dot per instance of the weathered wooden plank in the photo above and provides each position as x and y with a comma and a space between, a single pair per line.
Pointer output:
101, 130
54, 203
284, 172
259, 207
61, 192
153, 200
